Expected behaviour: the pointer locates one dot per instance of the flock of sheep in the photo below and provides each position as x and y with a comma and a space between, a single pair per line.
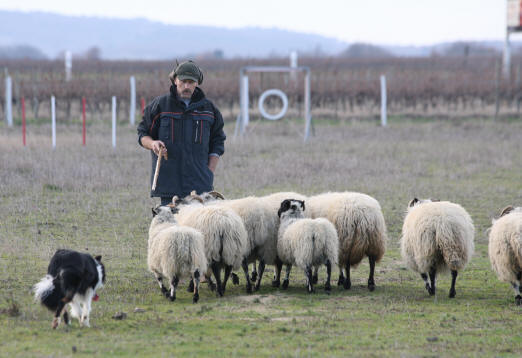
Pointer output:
200, 235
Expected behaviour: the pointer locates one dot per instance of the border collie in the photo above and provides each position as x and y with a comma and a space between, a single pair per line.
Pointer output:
73, 278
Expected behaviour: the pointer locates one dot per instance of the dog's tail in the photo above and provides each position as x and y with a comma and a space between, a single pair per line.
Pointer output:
47, 293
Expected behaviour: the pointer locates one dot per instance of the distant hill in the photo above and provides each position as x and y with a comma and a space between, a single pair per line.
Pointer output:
362, 50
21, 52
144, 39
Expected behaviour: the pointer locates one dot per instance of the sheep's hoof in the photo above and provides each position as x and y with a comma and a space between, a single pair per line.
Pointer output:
172, 298
347, 284
220, 292
452, 293
235, 279
212, 286
276, 283
315, 279
249, 288
253, 278
285, 284
257, 287
327, 287
518, 300
195, 298
432, 291
371, 286
190, 287
311, 289
340, 281
56, 322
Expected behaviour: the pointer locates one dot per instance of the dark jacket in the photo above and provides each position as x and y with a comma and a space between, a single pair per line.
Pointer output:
190, 135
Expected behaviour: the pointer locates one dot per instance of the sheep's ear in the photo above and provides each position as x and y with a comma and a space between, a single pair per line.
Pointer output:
506, 210
154, 212
98, 258
174, 210
413, 202
216, 195
175, 199
302, 204
285, 205
193, 193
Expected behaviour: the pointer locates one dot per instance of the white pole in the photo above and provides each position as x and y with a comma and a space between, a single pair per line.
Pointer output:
114, 121
308, 115
132, 113
53, 120
9, 101
293, 64
243, 99
68, 65
383, 101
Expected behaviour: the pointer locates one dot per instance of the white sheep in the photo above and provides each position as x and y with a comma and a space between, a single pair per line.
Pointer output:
305, 242
360, 225
174, 252
436, 236
225, 237
261, 225
505, 248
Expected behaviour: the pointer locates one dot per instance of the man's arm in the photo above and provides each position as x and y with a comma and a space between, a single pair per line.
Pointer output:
213, 162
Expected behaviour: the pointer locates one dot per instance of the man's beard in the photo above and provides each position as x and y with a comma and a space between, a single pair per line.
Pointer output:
187, 94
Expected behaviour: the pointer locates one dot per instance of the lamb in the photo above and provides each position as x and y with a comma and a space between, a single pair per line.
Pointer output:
505, 248
225, 237
174, 252
360, 225
305, 243
261, 226
437, 236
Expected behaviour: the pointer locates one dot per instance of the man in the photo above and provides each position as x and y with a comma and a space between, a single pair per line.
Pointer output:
189, 128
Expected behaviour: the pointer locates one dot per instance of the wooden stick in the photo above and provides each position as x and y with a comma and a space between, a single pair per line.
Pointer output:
156, 172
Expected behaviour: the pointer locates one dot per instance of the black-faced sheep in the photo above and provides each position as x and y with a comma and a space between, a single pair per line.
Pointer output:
304, 242
360, 226
505, 248
224, 234
174, 252
437, 236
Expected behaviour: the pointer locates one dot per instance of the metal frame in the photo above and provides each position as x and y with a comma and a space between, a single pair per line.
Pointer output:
243, 118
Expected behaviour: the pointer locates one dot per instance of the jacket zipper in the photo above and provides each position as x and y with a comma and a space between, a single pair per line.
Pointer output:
197, 126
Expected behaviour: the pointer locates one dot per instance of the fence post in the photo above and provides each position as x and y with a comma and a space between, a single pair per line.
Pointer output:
497, 87
132, 113
53, 120
84, 131
384, 119
114, 121
23, 120
68, 65
8, 100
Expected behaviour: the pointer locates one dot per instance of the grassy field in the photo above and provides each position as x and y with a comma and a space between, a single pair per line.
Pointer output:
96, 198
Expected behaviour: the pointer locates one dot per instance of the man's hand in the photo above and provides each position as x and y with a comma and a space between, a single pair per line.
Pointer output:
212, 163
158, 147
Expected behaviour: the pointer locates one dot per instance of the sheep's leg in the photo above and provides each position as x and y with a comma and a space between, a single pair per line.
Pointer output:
341, 277
66, 317
210, 283
244, 265
433, 274
427, 283
254, 272
216, 270
327, 286
347, 284
228, 270
309, 279
190, 287
195, 283
164, 290
277, 273
315, 277
371, 282
261, 271
518, 297
58, 313
286, 281
452, 291
173, 285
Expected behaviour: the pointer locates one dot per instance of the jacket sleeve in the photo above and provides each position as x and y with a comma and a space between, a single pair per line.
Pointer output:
149, 124
217, 135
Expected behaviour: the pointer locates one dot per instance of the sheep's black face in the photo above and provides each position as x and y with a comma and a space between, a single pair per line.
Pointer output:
291, 207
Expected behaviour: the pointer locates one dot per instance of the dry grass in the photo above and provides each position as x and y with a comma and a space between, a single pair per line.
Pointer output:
96, 198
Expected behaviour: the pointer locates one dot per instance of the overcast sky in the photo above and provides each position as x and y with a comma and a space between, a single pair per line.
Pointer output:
391, 22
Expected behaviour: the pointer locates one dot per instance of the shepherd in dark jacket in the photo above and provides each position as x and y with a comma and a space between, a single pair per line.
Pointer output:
189, 128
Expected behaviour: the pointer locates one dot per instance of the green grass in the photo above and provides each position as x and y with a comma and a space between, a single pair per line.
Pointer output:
95, 199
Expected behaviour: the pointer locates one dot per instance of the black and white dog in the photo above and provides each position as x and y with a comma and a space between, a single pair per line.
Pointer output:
72, 277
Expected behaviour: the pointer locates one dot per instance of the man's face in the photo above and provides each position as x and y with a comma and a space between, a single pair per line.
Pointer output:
185, 88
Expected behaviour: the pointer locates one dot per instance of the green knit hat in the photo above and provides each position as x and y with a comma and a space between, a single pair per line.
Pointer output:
187, 70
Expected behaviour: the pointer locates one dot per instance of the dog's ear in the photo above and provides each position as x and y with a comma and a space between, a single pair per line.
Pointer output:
154, 212
285, 205
506, 210
98, 258
302, 204
413, 202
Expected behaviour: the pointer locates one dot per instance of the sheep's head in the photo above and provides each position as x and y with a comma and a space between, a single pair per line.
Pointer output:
164, 213
212, 196
291, 208
414, 202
